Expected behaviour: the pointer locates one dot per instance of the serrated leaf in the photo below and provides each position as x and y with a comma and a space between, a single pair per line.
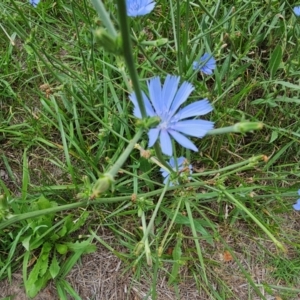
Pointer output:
84, 246
54, 267
31, 285
38, 286
275, 60
80, 222
288, 85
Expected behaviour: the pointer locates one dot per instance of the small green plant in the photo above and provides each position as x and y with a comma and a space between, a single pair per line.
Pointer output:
50, 249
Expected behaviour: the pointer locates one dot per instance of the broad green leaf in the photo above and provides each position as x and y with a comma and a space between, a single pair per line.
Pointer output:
54, 267
38, 285
26, 243
39, 275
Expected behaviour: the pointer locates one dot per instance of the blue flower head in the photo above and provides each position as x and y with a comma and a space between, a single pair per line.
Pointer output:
205, 64
34, 3
164, 102
296, 10
297, 205
137, 8
182, 168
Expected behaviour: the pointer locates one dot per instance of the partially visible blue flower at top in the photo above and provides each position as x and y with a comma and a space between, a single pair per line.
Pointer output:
297, 205
164, 102
296, 10
137, 8
205, 64
34, 3
183, 168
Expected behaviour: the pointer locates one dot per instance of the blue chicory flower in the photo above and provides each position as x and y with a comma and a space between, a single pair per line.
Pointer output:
34, 3
164, 102
296, 10
137, 8
297, 205
182, 165
205, 64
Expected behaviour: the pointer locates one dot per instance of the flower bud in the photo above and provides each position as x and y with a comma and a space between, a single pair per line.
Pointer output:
109, 43
101, 185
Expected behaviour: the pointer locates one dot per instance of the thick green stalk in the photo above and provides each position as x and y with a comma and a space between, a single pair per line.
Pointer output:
240, 127
104, 17
128, 56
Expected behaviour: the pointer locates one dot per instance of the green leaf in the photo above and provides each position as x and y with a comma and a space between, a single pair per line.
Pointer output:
84, 246
26, 243
176, 257
79, 249
183, 220
80, 222
288, 85
61, 248
38, 286
67, 287
275, 60
54, 267
274, 136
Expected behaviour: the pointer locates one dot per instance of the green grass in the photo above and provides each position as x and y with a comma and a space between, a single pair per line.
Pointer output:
66, 118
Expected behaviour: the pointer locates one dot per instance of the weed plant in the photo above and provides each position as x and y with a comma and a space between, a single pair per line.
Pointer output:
75, 130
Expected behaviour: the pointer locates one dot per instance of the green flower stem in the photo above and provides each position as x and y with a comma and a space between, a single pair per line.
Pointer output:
249, 213
120, 161
151, 222
127, 52
161, 158
104, 17
162, 244
240, 127
240, 165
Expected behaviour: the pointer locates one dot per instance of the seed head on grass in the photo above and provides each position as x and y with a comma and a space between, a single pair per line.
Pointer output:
296, 10
34, 3
182, 166
205, 64
137, 8
164, 102
297, 205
